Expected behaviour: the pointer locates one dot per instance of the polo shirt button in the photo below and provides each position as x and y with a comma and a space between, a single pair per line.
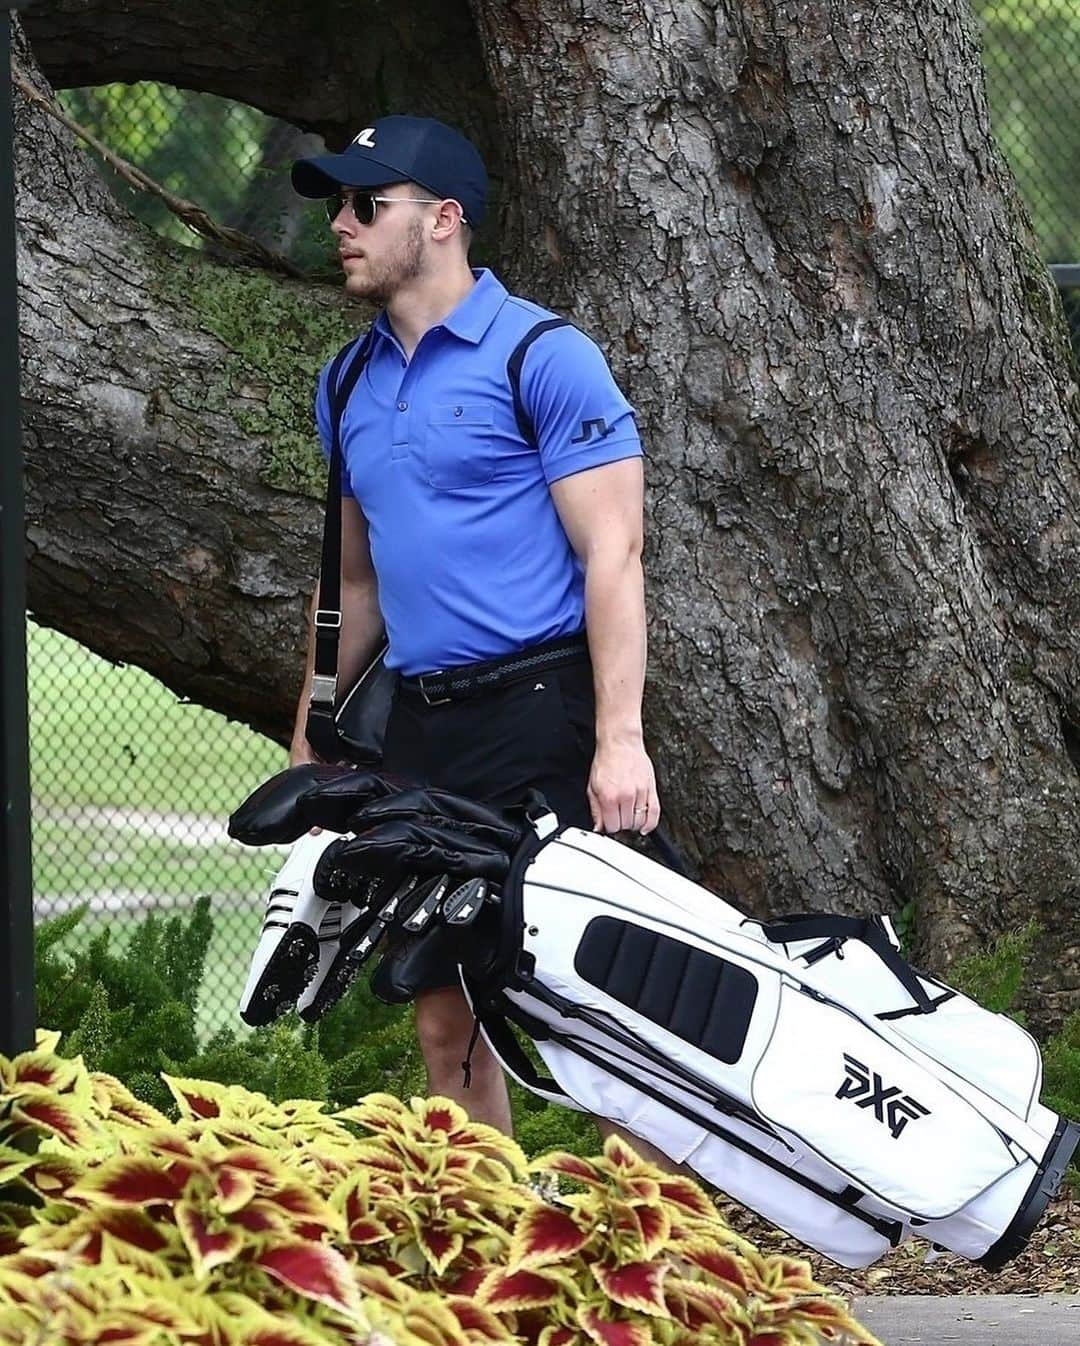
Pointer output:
403, 406
457, 411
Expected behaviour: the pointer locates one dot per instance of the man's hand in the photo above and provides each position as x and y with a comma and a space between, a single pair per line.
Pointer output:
622, 787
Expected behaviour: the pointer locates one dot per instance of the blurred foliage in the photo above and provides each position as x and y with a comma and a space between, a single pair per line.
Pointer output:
229, 158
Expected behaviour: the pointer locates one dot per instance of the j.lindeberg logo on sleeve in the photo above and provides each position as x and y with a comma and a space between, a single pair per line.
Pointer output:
866, 1089
596, 429
366, 138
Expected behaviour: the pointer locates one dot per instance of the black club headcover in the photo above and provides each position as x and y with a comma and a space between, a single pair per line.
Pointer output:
332, 802
419, 848
336, 883
277, 812
502, 828
409, 963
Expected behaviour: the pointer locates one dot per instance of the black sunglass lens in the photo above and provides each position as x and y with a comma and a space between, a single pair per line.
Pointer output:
363, 206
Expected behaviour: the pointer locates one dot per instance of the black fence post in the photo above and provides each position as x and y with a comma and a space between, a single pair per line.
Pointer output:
16, 900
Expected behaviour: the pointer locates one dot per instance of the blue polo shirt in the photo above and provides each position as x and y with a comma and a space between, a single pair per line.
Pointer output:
471, 558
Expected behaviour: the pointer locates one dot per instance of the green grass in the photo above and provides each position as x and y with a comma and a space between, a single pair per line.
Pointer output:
112, 738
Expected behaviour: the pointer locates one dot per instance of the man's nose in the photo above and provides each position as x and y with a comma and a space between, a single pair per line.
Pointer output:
343, 224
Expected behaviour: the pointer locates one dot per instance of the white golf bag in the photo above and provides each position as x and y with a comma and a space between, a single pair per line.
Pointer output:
800, 1066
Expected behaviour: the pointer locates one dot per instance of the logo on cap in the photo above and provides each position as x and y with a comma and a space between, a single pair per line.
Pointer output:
366, 138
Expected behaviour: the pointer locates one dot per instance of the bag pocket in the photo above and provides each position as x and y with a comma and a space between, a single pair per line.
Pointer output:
897, 1131
459, 448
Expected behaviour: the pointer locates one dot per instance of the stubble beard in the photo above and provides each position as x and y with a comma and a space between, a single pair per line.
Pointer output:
391, 273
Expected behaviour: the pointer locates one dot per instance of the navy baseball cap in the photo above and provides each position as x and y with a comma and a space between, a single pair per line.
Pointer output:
402, 149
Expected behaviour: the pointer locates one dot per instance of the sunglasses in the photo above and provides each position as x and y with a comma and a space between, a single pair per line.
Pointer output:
365, 204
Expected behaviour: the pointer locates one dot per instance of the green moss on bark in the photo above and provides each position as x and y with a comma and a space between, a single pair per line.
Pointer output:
278, 333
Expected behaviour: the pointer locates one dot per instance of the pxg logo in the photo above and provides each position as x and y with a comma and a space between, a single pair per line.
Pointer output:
867, 1090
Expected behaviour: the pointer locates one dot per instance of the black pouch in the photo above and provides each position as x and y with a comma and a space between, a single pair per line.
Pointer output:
360, 719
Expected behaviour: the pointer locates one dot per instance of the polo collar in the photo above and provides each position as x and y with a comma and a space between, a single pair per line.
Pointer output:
476, 312
472, 317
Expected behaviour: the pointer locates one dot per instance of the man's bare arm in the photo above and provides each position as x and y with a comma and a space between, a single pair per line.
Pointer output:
601, 510
361, 621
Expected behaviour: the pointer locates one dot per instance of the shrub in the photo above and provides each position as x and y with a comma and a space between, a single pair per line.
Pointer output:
131, 1012
246, 1221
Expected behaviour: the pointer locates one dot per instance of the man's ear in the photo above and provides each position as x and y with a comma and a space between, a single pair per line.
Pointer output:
449, 221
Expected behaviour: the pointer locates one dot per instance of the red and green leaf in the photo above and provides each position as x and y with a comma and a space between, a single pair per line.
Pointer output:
654, 1225
722, 1263
544, 1234
314, 1271
477, 1322
207, 1248
612, 1332
439, 1246
553, 1335
55, 1115
130, 1181
687, 1194
570, 1166
504, 1290
637, 1285
196, 1098
233, 1189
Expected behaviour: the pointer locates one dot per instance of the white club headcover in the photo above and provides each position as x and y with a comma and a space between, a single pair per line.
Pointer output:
287, 955
336, 968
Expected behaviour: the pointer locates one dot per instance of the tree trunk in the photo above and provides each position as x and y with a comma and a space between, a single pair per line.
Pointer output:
793, 235
793, 232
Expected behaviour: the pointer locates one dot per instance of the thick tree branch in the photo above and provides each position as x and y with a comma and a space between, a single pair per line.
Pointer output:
164, 523
327, 67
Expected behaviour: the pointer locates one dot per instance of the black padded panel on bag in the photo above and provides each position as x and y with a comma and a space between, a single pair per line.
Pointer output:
698, 997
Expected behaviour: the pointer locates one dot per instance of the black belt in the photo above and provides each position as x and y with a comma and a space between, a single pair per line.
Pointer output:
455, 684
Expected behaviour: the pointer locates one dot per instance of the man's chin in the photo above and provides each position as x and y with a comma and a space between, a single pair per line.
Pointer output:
358, 288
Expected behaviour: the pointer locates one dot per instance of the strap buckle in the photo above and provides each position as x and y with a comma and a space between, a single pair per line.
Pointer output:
327, 619
323, 690
428, 697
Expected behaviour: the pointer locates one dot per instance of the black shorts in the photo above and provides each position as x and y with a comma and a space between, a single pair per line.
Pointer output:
538, 733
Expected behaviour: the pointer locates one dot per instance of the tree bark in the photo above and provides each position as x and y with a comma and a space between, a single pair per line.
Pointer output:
792, 233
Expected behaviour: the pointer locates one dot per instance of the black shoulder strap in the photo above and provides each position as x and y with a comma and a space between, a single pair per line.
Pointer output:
513, 374
868, 929
341, 380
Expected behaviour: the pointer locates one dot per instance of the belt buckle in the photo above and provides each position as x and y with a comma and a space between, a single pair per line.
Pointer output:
428, 698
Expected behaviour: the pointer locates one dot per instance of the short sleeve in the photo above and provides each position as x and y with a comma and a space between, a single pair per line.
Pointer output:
322, 421
581, 418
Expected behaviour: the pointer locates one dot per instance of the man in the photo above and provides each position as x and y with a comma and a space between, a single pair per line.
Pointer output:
491, 523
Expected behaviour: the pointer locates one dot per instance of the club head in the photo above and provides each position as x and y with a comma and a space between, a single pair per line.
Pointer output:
362, 929
429, 905
463, 905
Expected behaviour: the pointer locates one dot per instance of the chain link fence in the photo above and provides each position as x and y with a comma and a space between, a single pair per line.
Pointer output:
131, 790
132, 818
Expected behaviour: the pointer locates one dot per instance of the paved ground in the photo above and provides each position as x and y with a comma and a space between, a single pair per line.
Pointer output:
972, 1320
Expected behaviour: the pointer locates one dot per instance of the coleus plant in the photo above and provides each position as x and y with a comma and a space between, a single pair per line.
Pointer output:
407, 1223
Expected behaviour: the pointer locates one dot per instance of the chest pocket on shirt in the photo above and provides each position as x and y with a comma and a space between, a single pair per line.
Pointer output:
459, 448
